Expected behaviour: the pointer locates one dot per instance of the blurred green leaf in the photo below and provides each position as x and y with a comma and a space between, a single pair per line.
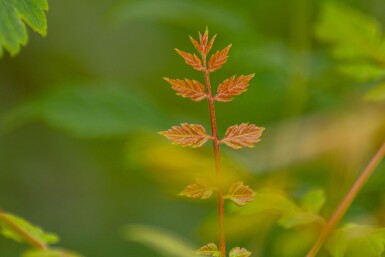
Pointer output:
353, 34
269, 201
160, 240
290, 213
88, 111
357, 241
313, 201
50, 253
362, 71
292, 219
356, 39
186, 13
13, 15
22, 231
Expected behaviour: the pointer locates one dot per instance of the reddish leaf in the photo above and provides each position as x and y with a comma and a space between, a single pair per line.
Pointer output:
204, 38
218, 59
204, 46
242, 135
187, 135
240, 194
196, 44
209, 45
191, 59
239, 252
201, 189
209, 249
188, 88
232, 87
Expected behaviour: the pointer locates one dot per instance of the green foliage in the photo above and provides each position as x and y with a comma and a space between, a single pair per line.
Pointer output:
357, 42
357, 241
88, 111
160, 240
289, 212
22, 231
13, 14
313, 201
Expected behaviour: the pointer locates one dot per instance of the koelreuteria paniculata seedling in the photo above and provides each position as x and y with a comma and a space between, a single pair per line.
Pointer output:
194, 135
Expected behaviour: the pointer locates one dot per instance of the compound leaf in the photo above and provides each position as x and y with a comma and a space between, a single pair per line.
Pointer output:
13, 16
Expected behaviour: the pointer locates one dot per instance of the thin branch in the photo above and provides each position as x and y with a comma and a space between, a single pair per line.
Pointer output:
347, 201
25, 234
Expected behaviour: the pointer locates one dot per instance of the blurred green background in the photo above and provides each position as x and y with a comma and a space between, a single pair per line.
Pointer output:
80, 108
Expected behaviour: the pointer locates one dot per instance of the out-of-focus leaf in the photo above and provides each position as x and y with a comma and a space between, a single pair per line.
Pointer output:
160, 240
289, 213
239, 252
201, 189
22, 231
50, 253
209, 249
292, 219
377, 93
357, 41
13, 16
269, 201
353, 34
313, 201
95, 110
188, 13
363, 71
357, 241
148, 153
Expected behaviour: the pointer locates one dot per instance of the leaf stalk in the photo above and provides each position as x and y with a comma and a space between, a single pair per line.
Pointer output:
218, 165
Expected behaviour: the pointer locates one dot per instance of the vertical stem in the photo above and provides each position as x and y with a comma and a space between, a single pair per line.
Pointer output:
347, 201
218, 166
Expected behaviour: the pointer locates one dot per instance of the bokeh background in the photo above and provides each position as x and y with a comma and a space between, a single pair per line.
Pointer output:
80, 108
